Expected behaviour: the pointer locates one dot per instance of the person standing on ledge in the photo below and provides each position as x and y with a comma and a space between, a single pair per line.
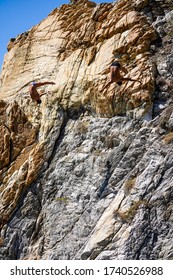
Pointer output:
34, 93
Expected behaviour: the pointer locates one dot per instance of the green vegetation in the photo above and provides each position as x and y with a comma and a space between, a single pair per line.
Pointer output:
168, 138
129, 184
128, 215
62, 199
81, 127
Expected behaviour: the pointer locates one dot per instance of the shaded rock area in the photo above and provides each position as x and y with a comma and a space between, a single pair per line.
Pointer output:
87, 174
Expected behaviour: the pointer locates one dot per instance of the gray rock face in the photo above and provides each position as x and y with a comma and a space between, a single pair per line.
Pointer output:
106, 189
106, 194
163, 54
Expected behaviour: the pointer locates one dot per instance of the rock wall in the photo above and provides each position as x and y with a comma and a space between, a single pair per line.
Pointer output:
75, 46
88, 173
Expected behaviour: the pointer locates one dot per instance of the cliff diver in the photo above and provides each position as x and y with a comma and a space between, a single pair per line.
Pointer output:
34, 93
116, 76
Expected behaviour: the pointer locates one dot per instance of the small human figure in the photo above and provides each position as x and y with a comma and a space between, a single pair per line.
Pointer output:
116, 76
34, 93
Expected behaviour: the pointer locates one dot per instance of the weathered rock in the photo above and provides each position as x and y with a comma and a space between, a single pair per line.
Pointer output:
83, 175
74, 46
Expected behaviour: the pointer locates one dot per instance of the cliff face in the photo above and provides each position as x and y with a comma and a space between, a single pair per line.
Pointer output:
75, 46
88, 173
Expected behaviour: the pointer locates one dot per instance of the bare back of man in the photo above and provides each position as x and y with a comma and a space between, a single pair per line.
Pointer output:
34, 93
115, 74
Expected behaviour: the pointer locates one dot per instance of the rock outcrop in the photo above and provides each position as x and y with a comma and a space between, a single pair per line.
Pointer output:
75, 46
87, 174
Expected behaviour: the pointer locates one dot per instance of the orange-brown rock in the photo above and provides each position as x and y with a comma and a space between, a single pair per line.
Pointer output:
17, 151
74, 46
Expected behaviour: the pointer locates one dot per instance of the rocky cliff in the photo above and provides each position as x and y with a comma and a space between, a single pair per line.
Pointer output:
87, 174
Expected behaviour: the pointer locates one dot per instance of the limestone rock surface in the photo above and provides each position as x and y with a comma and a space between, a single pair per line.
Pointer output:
75, 46
87, 174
